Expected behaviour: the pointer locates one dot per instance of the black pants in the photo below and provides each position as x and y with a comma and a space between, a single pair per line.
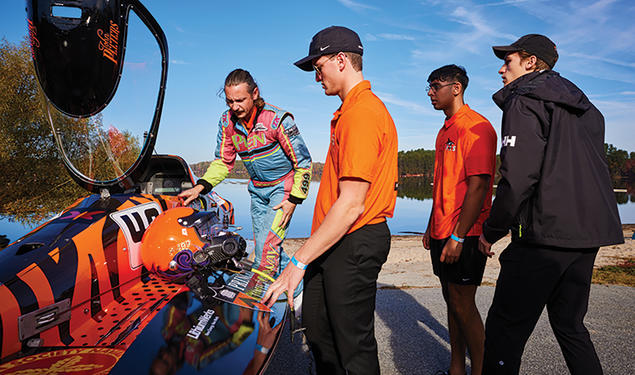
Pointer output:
339, 302
531, 277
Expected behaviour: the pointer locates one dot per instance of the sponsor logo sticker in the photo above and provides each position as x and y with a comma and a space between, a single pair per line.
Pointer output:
133, 222
260, 127
80, 361
292, 131
201, 326
450, 145
109, 42
35, 43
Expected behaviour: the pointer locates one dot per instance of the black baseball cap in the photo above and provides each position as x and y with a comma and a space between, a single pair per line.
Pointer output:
535, 44
331, 40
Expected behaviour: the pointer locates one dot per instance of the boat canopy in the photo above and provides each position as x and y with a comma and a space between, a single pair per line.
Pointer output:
102, 66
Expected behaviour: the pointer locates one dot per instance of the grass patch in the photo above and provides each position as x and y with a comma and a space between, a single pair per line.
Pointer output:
622, 273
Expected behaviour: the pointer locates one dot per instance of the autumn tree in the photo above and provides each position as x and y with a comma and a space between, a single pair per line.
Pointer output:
31, 171
33, 179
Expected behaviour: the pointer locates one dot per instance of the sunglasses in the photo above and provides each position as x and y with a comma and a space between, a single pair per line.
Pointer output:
318, 69
436, 86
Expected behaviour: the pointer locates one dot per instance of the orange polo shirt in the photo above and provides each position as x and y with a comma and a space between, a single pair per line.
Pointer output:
465, 146
363, 145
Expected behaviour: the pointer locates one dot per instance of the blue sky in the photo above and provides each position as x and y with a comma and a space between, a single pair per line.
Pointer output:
403, 41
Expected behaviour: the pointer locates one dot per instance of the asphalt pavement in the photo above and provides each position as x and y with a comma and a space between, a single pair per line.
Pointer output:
412, 336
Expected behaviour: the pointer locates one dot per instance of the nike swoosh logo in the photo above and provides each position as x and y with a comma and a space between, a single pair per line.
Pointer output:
323, 48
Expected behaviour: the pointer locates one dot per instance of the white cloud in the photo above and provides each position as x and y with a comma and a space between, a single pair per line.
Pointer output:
482, 31
179, 62
389, 36
136, 65
604, 25
507, 2
413, 106
356, 6
626, 64
622, 108
428, 55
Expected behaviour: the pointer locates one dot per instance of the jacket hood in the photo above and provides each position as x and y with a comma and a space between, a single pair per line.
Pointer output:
547, 86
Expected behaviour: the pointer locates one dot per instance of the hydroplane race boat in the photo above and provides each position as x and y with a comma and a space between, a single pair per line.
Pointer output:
125, 279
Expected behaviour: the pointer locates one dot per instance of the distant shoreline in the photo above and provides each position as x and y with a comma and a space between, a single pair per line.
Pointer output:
625, 228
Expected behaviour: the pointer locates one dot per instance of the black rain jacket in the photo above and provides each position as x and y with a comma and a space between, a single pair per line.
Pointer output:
555, 188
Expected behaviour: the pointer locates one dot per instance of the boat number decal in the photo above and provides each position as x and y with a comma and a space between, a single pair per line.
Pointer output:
133, 223
184, 245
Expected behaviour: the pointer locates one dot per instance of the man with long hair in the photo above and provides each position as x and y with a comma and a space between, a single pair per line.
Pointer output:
269, 143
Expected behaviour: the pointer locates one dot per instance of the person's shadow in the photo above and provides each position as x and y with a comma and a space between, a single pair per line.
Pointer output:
418, 342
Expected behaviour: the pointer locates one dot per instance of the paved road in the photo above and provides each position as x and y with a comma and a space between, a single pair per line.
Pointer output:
413, 338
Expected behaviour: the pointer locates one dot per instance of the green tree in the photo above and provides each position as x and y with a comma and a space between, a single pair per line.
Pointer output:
33, 178
616, 159
418, 162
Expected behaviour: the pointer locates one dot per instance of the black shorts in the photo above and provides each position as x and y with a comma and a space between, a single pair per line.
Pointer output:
467, 271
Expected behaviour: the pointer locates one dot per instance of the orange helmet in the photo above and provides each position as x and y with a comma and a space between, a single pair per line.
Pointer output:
169, 243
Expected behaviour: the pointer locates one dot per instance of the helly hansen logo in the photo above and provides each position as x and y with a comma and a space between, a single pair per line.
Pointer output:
509, 141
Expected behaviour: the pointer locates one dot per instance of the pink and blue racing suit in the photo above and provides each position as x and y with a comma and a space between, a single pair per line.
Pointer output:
279, 165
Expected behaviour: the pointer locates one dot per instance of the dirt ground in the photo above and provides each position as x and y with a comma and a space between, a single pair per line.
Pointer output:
408, 264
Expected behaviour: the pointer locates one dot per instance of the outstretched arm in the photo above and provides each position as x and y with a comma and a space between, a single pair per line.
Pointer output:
338, 220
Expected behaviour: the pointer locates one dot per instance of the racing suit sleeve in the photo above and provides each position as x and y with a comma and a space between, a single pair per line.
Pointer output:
295, 149
225, 157
522, 154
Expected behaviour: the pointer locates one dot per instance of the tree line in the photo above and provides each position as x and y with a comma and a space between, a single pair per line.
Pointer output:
420, 163
621, 165
239, 170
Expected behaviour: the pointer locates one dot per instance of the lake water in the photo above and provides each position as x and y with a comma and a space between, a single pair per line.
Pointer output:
411, 215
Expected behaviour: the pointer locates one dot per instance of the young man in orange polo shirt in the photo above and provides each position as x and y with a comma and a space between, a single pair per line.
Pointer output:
350, 239
464, 167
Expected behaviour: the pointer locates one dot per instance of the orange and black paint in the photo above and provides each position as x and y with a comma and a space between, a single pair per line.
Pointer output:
82, 256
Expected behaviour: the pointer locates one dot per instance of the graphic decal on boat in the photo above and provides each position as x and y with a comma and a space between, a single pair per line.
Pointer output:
133, 223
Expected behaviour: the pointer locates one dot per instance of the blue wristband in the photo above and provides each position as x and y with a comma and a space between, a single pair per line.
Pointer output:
298, 264
262, 349
457, 239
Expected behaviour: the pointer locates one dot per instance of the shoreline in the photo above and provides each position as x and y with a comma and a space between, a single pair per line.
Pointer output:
409, 265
